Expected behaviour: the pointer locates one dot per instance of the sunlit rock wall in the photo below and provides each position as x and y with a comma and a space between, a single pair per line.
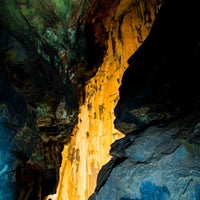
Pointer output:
89, 146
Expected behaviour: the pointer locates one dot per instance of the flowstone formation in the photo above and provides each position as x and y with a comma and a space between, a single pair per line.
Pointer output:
158, 111
89, 146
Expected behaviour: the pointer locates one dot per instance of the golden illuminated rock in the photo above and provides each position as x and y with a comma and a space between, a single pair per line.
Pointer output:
90, 143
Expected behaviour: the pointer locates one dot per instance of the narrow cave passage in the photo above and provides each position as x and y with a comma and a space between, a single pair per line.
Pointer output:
61, 68
88, 149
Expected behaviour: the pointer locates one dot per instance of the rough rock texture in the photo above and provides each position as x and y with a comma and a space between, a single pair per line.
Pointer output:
158, 111
44, 67
49, 51
158, 163
88, 148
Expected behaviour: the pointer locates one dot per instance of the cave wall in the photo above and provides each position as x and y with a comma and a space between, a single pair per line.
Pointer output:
158, 112
61, 65
14, 114
39, 100
49, 52
127, 23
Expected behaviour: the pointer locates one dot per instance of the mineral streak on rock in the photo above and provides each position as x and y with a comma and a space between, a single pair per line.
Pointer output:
95, 130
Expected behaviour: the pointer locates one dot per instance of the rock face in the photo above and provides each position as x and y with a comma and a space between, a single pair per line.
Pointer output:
60, 69
50, 50
158, 163
158, 111
89, 146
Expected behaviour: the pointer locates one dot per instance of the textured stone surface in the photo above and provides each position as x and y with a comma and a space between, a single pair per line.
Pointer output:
50, 50
39, 42
89, 146
7, 169
160, 163
19, 143
158, 111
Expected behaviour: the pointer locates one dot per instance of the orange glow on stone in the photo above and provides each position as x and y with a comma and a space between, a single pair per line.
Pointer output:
88, 149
